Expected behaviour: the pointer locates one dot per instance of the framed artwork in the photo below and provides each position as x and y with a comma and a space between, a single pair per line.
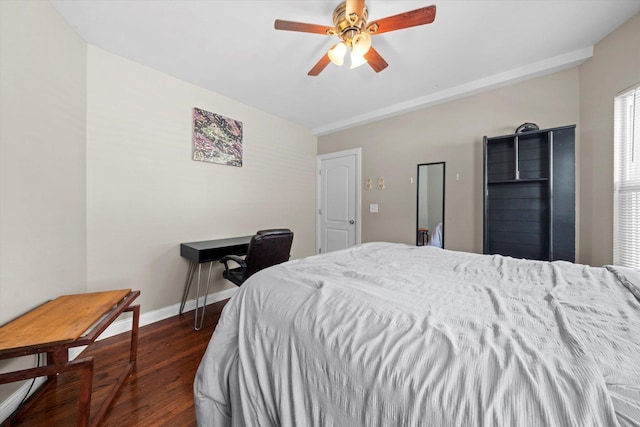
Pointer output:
216, 139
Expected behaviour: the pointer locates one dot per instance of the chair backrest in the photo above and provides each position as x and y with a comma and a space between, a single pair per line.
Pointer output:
267, 248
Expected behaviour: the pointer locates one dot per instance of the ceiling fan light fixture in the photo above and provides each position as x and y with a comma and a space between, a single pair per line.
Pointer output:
361, 43
336, 54
351, 26
357, 59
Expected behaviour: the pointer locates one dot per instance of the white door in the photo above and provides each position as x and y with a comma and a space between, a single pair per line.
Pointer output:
339, 200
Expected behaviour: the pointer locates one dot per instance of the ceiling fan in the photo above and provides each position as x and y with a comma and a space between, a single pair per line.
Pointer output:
350, 26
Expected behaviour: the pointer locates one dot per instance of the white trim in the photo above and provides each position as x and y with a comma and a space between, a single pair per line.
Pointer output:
530, 71
351, 152
10, 404
124, 325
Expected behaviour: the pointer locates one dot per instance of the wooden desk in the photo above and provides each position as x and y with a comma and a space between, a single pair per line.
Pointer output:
65, 322
209, 251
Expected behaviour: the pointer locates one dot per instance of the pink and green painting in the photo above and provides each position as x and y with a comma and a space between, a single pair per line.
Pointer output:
216, 139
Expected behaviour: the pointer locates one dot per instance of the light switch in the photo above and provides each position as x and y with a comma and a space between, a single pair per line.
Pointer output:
373, 207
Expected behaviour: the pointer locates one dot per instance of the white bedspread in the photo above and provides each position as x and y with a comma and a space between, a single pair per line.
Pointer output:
394, 335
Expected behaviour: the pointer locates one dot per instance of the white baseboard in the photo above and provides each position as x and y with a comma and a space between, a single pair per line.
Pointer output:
124, 325
10, 404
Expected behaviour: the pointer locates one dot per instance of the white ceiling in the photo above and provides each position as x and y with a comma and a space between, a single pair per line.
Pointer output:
231, 47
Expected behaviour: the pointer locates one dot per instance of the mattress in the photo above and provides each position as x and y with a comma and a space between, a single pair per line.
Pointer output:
394, 335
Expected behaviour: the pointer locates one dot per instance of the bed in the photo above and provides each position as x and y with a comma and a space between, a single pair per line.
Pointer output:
388, 334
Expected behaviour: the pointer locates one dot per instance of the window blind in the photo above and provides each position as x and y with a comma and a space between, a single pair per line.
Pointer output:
626, 219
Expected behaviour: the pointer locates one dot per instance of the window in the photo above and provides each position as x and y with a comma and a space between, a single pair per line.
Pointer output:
626, 187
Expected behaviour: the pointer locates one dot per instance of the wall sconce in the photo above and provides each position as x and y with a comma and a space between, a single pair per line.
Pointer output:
368, 183
381, 183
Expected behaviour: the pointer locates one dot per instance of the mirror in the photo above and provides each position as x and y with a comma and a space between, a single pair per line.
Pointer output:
430, 224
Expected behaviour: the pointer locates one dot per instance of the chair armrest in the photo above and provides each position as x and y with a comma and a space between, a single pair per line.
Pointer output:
225, 259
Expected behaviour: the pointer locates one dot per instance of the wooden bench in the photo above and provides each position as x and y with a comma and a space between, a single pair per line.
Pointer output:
65, 322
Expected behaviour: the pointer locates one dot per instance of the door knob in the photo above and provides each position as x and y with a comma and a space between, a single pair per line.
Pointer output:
352, 222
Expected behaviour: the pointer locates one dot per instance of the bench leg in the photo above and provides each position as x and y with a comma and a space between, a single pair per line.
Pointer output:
133, 353
84, 403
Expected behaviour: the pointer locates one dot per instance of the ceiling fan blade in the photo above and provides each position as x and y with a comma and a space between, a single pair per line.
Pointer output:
376, 61
321, 65
355, 6
425, 15
279, 24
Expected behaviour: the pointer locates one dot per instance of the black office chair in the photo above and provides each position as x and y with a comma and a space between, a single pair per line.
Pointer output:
266, 248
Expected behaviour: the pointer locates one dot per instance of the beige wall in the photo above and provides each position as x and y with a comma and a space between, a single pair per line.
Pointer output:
145, 195
42, 159
450, 132
97, 185
614, 67
97, 188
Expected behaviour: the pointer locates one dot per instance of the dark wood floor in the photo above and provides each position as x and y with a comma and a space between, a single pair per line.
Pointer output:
160, 390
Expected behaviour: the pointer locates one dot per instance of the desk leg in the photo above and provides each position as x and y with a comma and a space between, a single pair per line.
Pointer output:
204, 305
195, 321
187, 284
